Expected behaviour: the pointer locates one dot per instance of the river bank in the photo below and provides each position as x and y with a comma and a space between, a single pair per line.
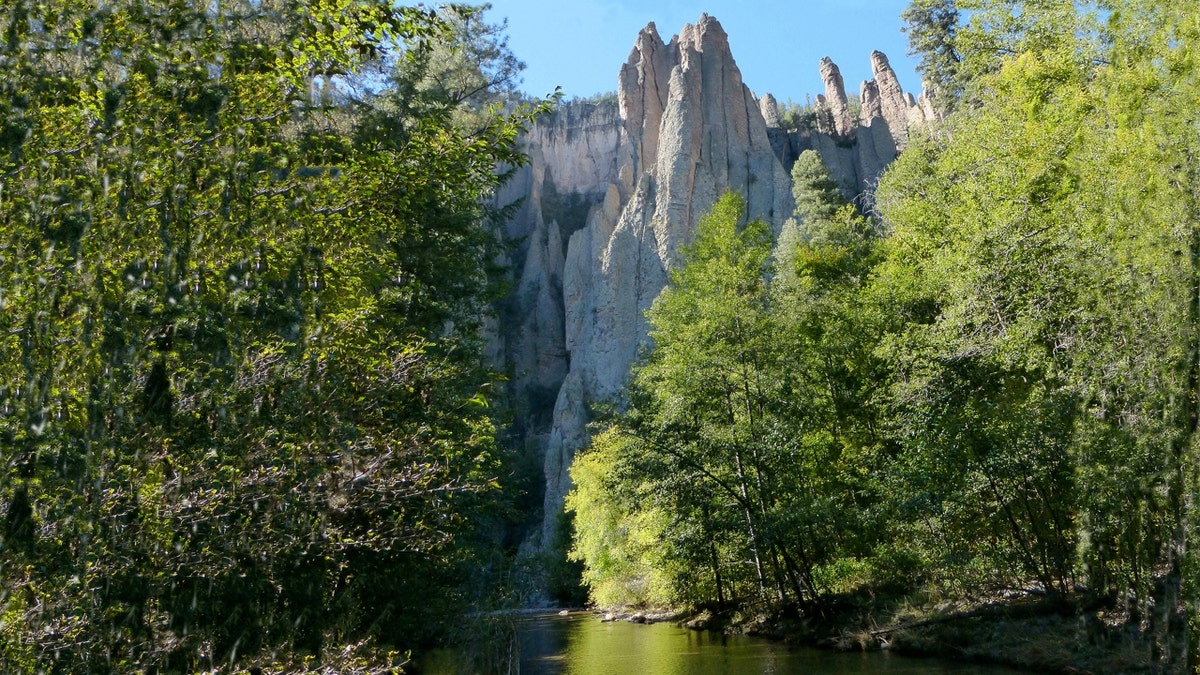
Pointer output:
583, 643
1021, 631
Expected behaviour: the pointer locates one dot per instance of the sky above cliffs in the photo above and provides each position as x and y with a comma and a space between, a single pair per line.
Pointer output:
581, 44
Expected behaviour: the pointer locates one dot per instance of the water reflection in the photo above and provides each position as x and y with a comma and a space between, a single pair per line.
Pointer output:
580, 644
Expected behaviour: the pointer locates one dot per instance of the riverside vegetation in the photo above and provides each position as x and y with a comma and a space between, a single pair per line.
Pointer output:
246, 420
983, 389
244, 413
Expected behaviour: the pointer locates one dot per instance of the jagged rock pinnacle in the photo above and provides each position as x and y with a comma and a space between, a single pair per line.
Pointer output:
835, 99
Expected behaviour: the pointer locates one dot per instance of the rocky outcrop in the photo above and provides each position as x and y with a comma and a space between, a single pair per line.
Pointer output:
877, 145
612, 191
893, 103
692, 130
572, 154
834, 107
856, 151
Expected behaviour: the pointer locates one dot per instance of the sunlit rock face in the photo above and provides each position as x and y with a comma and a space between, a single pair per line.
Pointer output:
837, 122
615, 187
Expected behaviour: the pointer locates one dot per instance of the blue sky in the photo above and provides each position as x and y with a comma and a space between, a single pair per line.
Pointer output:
581, 44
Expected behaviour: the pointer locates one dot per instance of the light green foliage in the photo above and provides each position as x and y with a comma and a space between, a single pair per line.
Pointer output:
979, 388
704, 387
1043, 256
960, 42
1000, 393
803, 116
241, 377
795, 116
620, 544
744, 420
691, 442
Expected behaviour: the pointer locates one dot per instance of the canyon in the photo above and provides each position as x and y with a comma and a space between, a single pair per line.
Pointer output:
614, 188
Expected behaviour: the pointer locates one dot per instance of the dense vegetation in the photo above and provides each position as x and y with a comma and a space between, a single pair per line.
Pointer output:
245, 418
243, 263
993, 384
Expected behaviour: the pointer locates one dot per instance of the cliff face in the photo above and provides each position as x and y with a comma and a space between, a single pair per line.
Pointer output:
572, 154
615, 188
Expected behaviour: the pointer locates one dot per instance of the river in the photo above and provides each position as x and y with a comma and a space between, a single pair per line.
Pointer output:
580, 644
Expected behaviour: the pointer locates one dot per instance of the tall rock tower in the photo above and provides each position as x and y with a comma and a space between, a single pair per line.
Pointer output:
613, 189
856, 151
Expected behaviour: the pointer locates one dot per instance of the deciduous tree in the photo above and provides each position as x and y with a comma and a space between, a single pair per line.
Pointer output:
243, 406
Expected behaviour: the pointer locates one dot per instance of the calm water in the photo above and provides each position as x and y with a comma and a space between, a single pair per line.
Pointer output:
580, 644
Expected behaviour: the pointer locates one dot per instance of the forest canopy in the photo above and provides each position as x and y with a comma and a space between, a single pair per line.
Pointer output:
246, 257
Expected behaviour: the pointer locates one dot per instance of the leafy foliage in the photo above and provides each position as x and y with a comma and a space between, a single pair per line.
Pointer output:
244, 409
932, 28
1050, 234
736, 427
1000, 394
619, 544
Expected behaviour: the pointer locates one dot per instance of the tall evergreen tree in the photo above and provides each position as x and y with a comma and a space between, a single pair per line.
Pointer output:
932, 29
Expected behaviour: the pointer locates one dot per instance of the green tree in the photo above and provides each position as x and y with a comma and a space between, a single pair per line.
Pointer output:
619, 544
690, 443
960, 42
703, 379
990, 398
1044, 252
469, 70
932, 29
826, 416
244, 407
815, 194
743, 422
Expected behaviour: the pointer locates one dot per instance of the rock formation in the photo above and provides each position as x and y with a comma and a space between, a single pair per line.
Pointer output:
614, 188
857, 151
833, 107
892, 101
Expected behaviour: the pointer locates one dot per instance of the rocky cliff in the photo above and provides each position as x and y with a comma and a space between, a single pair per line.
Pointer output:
615, 187
858, 150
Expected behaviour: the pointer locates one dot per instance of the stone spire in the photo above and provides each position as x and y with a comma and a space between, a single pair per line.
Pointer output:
835, 99
612, 191
894, 107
